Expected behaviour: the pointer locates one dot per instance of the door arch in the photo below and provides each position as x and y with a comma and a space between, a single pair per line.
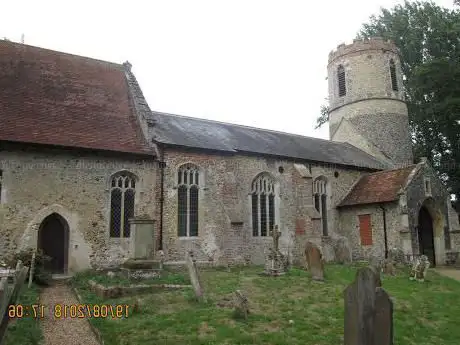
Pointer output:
426, 235
53, 240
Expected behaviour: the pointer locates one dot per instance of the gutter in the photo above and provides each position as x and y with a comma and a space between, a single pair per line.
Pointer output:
385, 230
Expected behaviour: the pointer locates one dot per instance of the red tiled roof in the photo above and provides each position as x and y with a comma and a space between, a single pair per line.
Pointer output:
382, 186
49, 97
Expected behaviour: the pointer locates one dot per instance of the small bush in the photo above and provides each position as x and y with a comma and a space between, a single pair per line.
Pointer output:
41, 275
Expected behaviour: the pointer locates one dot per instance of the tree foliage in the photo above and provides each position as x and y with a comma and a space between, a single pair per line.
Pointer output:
428, 37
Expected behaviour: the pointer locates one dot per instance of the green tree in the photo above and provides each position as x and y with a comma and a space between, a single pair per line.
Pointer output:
428, 37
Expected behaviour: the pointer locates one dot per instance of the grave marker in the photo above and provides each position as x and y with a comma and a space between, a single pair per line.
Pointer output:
368, 311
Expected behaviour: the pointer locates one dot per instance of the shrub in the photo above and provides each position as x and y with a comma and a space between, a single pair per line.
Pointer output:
41, 275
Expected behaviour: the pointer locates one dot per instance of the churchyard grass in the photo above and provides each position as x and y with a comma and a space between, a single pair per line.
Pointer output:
291, 309
25, 331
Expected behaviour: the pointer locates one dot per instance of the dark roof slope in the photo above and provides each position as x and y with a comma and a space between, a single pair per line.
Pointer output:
199, 133
49, 97
382, 186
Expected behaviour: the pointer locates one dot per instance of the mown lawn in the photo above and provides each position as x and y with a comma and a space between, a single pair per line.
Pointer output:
424, 313
25, 331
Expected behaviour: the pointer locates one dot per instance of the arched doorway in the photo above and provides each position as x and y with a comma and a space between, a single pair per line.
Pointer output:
426, 234
53, 239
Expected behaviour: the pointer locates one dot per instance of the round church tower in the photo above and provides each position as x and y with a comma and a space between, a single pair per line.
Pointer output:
366, 100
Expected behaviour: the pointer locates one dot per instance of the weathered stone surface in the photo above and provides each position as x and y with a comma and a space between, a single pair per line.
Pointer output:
388, 267
366, 78
342, 250
195, 277
142, 238
315, 262
241, 304
368, 311
419, 268
75, 185
383, 324
397, 256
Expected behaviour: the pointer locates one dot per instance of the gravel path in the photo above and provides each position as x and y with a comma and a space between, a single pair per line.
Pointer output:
449, 272
60, 331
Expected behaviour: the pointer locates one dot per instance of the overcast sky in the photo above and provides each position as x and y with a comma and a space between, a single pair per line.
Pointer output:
259, 63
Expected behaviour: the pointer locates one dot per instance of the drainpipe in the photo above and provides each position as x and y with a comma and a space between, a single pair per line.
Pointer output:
162, 165
385, 230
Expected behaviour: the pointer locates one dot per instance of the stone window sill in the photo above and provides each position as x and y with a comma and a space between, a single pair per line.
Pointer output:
188, 238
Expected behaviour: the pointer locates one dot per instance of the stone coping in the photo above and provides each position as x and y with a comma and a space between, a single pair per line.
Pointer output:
130, 290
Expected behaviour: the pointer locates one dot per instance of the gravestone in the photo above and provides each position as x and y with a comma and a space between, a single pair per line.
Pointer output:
275, 261
419, 268
342, 251
194, 276
375, 262
368, 311
315, 262
142, 238
396, 255
241, 304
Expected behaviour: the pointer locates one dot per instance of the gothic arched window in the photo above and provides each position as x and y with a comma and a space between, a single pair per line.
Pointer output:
320, 195
122, 194
341, 81
187, 200
394, 80
263, 205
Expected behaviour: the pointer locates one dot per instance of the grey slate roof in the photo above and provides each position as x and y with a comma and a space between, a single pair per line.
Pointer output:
206, 134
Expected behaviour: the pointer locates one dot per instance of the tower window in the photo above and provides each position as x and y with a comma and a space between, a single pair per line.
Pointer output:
394, 81
341, 80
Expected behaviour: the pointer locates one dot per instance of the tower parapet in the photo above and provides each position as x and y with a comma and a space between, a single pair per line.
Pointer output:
359, 45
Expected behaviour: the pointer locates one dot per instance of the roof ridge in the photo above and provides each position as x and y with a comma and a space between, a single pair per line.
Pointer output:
21, 45
393, 169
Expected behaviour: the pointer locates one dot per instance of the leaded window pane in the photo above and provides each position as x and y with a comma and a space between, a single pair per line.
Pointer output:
271, 210
263, 215
128, 211
182, 211
194, 211
115, 217
255, 215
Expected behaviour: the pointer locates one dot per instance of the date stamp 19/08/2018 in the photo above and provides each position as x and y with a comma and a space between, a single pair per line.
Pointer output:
65, 311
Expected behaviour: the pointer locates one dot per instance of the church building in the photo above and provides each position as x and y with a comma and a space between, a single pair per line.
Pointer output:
83, 160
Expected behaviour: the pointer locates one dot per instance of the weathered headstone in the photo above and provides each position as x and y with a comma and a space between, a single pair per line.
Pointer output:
368, 311
419, 268
396, 255
314, 261
375, 262
241, 304
142, 238
194, 276
342, 251
383, 324
388, 267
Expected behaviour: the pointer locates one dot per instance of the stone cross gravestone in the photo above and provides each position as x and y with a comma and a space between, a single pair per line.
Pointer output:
241, 304
368, 311
194, 276
315, 262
